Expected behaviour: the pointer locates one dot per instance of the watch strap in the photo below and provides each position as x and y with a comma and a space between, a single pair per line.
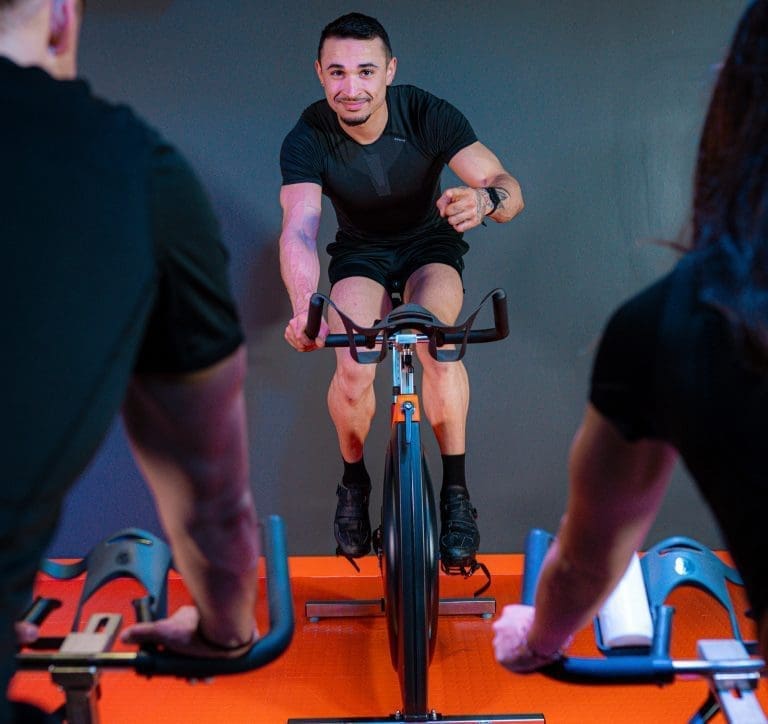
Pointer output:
493, 196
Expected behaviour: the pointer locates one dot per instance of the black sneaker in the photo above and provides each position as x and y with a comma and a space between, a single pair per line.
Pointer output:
351, 525
459, 536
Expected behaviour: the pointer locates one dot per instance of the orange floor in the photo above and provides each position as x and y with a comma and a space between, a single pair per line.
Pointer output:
340, 668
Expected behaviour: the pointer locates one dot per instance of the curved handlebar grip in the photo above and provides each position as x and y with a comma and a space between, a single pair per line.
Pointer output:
655, 667
266, 648
537, 544
500, 328
314, 315
500, 315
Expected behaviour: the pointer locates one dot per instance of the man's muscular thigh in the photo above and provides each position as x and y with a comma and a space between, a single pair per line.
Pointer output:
364, 301
438, 288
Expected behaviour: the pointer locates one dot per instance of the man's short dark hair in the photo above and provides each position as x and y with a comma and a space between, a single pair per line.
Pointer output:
356, 26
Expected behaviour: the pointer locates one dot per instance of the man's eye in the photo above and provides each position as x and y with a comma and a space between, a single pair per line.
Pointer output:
366, 73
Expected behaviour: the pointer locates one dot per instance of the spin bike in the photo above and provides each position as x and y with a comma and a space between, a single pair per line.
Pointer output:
76, 661
729, 665
407, 543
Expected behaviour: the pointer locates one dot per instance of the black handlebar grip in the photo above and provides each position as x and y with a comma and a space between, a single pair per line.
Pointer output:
314, 316
40, 609
500, 328
500, 316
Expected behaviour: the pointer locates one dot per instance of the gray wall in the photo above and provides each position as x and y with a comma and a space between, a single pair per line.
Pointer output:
595, 106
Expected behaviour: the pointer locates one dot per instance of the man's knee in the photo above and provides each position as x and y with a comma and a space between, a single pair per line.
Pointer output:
435, 370
353, 379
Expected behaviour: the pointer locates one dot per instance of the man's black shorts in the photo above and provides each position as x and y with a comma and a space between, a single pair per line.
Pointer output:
391, 265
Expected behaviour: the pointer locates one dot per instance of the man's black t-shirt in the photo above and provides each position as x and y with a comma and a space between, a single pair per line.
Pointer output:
113, 264
383, 193
669, 367
113, 259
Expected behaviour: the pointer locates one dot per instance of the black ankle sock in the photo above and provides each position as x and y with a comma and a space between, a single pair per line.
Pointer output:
453, 472
355, 474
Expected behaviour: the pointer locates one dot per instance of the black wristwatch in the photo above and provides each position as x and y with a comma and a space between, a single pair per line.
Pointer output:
494, 197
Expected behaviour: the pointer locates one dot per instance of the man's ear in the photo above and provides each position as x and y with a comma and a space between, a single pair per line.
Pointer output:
391, 70
61, 32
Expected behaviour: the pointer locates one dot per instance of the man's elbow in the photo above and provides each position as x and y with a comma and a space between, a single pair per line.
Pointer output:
518, 204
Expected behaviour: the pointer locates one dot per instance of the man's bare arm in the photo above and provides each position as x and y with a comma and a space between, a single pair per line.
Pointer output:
299, 260
189, 436
467, 206
616, 489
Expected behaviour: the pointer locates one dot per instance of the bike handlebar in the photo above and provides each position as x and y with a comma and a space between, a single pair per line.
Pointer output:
412, 317
149, 662
652, 666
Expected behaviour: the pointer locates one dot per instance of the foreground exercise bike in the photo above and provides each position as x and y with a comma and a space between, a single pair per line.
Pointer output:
408, 538
76, 661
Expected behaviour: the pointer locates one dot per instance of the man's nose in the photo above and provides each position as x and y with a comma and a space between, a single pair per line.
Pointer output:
350, 86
